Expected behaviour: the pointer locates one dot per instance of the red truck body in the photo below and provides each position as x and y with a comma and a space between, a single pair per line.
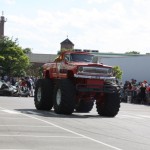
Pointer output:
74, 81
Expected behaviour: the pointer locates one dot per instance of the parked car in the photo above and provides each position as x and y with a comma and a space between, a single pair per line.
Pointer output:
7, 90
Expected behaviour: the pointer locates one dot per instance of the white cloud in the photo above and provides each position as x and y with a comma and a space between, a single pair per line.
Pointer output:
10, 2
97, 1
117, 29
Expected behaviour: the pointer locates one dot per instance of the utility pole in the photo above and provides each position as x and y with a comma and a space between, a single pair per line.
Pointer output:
2, 21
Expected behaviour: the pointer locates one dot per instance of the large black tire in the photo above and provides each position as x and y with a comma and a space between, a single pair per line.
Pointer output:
110, 105
43, 95
84, 106
64, 97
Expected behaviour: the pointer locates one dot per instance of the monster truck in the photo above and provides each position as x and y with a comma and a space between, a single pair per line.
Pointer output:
73, 82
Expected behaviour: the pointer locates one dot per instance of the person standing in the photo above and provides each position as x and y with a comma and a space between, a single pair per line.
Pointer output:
143, 93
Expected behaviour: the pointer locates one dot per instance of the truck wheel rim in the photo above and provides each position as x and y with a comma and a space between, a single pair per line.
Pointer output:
39, 95
58, 97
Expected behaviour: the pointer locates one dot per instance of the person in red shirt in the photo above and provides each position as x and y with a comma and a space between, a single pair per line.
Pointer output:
23, 82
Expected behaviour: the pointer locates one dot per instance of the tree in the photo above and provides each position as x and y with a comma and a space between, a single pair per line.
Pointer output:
132, 52
12, 58
27, 50
35, 70
117, 72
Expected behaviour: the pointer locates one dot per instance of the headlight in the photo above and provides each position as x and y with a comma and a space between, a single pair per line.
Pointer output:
110, 71
80, 69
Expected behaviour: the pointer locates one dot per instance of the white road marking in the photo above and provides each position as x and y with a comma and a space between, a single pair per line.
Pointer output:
15, 118
144, 116
41, 136
10, 111
26, 126
15, 149
52, 113
70, 131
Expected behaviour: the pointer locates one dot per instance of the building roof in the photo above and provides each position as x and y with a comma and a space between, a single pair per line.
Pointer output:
44, 58
67, 41
108, 55
41, 58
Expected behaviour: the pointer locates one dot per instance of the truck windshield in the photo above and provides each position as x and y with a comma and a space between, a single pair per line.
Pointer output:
81, 57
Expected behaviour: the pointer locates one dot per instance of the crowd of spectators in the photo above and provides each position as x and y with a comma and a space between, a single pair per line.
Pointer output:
136, 92
132, 91
25, 85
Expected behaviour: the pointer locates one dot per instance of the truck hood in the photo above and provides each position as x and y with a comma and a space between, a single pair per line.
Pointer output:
89, 64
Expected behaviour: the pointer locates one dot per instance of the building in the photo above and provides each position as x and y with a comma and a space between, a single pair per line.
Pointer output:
133, 66
66, 45
2, 21
40, 59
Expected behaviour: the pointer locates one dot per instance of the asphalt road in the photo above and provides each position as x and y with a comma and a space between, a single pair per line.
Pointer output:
22, 127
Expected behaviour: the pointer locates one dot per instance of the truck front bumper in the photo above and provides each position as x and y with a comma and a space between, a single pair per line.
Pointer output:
93, 77
97, 88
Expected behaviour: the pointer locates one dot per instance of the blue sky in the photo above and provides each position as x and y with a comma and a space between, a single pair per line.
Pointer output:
117, 26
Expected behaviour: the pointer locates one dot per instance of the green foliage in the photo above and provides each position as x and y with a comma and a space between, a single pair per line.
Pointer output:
40, 72
117, 72
1, 58
6, 42
12, 58
27, 50
132, 53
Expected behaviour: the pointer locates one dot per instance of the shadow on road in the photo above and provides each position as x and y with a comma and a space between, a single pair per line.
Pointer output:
51, 113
